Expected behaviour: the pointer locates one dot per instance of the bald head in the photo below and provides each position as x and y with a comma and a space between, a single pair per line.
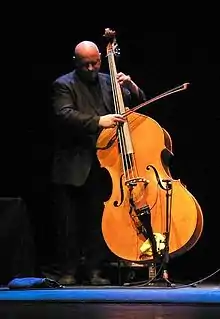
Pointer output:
86, 49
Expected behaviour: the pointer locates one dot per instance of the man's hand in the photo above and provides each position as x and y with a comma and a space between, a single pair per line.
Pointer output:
125, 80
111, 120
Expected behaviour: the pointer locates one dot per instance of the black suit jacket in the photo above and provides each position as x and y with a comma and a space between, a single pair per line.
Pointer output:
75, 125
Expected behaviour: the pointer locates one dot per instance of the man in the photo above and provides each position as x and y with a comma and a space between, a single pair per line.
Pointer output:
82, 105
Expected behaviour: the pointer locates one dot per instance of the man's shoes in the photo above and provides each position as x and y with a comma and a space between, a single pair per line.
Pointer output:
67, 280
51, 276
97, 280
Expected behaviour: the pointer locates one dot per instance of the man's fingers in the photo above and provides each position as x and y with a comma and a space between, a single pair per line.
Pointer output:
119, 117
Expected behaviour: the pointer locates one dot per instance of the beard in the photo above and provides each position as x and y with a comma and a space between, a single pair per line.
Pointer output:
88, 76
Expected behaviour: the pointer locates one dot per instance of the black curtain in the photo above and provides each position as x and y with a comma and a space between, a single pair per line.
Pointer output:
16, 241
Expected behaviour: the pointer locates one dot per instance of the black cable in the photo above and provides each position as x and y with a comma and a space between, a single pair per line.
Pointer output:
198, 281
192, 284
144, 282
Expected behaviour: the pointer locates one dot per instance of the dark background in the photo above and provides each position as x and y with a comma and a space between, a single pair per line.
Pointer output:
157, 61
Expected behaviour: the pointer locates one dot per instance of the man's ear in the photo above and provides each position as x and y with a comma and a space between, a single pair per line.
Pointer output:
75, 61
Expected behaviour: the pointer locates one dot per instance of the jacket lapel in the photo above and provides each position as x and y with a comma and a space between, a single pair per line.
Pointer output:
105, 89
89, 100
106, 93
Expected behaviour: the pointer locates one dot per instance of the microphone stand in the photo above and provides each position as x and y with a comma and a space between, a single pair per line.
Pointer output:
165, 260
165, 254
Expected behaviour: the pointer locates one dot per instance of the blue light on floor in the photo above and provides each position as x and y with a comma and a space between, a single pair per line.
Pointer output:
131, 295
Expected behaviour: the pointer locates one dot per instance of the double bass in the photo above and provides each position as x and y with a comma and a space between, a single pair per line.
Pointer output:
147, 209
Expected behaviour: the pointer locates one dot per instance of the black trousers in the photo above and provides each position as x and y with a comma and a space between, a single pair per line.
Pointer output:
77, 215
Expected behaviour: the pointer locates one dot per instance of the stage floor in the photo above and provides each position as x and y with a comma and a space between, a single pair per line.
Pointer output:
202, 301
108, 311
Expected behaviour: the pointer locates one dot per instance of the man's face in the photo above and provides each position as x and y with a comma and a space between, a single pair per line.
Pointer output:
88, 67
